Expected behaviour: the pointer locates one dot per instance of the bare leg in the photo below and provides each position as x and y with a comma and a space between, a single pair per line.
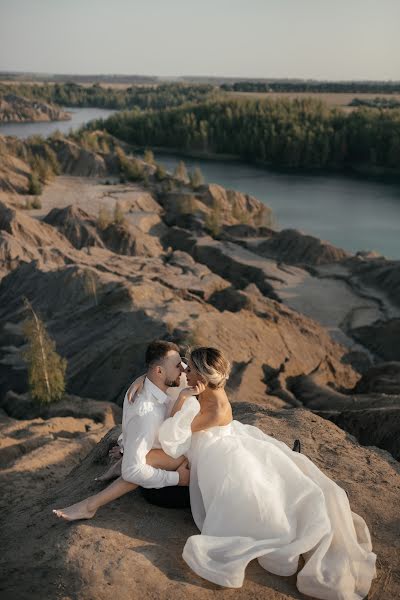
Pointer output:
86, 509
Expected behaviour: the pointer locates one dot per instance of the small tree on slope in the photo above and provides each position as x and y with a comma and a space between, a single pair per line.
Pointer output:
46, 368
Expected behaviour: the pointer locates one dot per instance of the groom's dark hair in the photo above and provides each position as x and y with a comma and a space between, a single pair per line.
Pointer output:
157, 350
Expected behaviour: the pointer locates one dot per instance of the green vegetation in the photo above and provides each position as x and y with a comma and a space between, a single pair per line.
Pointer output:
131, 168
302, 133
213, 220
104, 218
35, 186
119, 215
160, 173
376, 102
90, 283
196, 178
148, 157
350, 87
153, 97
180, 172
46, 369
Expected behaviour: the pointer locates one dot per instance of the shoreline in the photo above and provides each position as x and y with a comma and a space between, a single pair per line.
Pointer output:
379, 174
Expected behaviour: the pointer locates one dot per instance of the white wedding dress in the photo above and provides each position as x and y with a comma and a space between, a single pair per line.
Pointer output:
253, 497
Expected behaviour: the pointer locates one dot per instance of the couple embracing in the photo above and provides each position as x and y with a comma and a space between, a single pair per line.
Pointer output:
251, 496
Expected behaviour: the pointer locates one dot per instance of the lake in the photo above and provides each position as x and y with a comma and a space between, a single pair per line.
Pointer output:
352, 213
79, 116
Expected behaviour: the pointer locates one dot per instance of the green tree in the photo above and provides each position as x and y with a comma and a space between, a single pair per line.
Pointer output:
90, 282
160, 173
46, 368
196, 178
35, 187
149, 157
119, 215
181, 172
104, 218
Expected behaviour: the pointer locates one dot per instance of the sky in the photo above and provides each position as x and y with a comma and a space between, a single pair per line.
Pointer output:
308, 39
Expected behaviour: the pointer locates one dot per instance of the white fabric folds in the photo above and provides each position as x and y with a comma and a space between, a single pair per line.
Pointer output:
252, 497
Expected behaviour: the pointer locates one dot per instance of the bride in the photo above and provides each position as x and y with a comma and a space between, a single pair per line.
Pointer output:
252, 497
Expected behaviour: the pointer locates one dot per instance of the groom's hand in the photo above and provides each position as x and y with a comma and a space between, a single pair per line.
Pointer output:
184, 473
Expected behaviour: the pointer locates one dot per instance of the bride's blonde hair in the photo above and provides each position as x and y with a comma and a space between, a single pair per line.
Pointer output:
211, 365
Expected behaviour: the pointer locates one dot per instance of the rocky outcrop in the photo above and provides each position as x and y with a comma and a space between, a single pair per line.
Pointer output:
370, 411
76, 225
383, 378
103, 308
212, 207
293, 247
75, 160
379, 273
22, 407
83, 231
17, 109
23, 239
132, 548
381, 337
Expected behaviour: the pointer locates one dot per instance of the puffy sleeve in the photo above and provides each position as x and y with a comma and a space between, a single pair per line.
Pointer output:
175, 433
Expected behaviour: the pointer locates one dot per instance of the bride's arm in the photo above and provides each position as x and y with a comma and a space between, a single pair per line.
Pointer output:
184, 395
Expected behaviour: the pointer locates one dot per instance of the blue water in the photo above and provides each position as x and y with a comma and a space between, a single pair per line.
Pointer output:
354, 214
79, 116
351, 213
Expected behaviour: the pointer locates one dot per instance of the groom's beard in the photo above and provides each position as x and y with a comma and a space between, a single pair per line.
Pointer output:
173, 383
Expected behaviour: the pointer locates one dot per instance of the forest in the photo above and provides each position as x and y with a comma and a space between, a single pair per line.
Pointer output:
299, 133
141, 97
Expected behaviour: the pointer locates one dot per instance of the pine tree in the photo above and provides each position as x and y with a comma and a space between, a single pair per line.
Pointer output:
119, 215
91, 285
196, 178
35, 186
46, 368
149, 157
181, 172
104, 219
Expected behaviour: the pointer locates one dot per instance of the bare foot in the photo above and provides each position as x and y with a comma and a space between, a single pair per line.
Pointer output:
80, 510
112, 473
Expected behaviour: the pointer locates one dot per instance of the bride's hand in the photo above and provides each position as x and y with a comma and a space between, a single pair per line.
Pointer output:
192, 391
135, 388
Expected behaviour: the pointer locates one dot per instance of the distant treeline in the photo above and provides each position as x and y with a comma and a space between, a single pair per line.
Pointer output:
144, 98
376, 102
351, 87
302, 133
68, 78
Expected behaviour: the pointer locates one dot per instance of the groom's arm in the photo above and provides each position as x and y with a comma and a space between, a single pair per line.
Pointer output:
141, 432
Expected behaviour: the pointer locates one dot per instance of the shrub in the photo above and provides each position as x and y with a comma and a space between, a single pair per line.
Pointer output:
196, 178
46, 368
35, 186
104, 218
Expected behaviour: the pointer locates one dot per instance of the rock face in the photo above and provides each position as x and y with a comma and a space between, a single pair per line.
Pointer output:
75, 160
212, 207
199, 268
282, 305
370, 411
292, 247
83, 230
132, 548
17, 109
381, 337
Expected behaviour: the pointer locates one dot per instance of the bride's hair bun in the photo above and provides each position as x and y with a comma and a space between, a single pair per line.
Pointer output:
212, 365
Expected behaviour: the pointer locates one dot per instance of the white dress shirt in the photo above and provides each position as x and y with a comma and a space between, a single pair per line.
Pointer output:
141, 421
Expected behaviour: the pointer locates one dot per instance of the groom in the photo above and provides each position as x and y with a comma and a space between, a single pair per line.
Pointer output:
177, 494
140, 425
